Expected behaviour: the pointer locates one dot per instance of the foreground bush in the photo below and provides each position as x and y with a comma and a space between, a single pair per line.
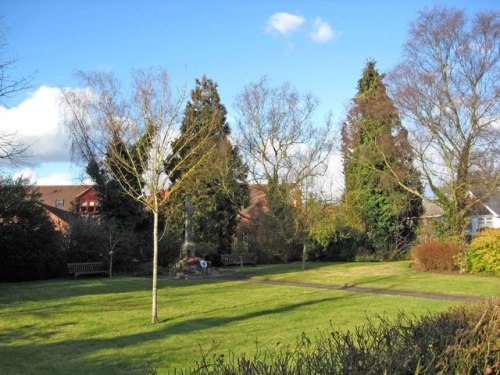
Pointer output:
483, 255
465, 340
436, 255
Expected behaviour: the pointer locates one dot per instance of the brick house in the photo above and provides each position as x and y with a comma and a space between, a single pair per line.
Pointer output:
253, 217
64, 202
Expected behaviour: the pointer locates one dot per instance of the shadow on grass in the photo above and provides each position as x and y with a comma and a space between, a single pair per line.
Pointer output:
195, 325
12, 294
46, 290
31, 332
81, 356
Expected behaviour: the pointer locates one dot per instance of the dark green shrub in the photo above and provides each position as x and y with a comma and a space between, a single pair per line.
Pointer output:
341, 245
30, 248
146, 269
90, 239
86, 241
465, 340
436, 255
169, 250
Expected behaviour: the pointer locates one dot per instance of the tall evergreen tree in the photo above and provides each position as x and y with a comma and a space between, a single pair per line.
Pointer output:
373, 138
217, 186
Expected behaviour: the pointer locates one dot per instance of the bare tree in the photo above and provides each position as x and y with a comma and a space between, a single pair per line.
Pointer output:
9, 85
132, 139
447, 89
12, 151
286, 150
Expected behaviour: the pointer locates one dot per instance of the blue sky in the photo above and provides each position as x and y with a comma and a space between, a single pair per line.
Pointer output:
317, 46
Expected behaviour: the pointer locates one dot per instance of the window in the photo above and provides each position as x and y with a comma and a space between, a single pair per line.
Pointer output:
59, 203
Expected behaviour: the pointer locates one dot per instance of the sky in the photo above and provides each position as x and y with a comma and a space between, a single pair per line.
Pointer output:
317, 46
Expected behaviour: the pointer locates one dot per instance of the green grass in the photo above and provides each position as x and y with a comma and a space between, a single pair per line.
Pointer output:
101, 326
389, 275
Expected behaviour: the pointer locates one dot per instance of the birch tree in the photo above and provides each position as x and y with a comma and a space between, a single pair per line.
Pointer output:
131, 139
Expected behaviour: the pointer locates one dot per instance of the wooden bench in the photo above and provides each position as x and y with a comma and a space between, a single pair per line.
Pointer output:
241, 259
88, 268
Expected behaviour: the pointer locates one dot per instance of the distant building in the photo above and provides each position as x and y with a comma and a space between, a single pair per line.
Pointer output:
252, 218
485, 214
66, 202
431, 212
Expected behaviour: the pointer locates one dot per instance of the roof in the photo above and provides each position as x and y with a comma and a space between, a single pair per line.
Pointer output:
66, 193
431, 210
493, 203
84, 192
490, 206
65, 216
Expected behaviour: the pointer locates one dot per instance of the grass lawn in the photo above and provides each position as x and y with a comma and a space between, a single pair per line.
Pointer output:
101, 326
389, 275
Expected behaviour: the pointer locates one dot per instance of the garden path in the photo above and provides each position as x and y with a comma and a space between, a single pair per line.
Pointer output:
359, 289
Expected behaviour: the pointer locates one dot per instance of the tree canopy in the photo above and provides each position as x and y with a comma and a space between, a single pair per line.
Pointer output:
447, 89
287, 150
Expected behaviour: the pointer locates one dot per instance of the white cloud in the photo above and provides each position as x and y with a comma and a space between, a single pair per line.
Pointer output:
25, 173
322, 32
51, 174
496, 124
36, 122
331, 183
284, 23
64, 178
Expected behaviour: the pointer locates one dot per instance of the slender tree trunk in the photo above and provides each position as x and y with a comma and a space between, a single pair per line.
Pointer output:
304, 254
111, 264
154, 309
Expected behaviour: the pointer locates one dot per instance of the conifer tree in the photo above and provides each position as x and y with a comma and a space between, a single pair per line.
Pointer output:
372, 135
217, 186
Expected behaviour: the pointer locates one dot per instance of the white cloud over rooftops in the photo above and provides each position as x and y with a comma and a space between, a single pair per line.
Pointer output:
284, 23
36, 122
322, 32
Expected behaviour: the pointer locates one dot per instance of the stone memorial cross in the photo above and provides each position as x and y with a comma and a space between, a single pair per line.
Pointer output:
188, 247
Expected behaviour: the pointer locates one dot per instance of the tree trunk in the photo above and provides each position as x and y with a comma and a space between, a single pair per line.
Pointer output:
154, 307
304, 255
111, 264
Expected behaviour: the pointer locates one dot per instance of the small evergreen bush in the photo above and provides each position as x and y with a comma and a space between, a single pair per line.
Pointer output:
435, 255
464, 340
483, 255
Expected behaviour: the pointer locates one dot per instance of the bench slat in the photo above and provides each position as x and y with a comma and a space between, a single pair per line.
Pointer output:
86, 268
228, 259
